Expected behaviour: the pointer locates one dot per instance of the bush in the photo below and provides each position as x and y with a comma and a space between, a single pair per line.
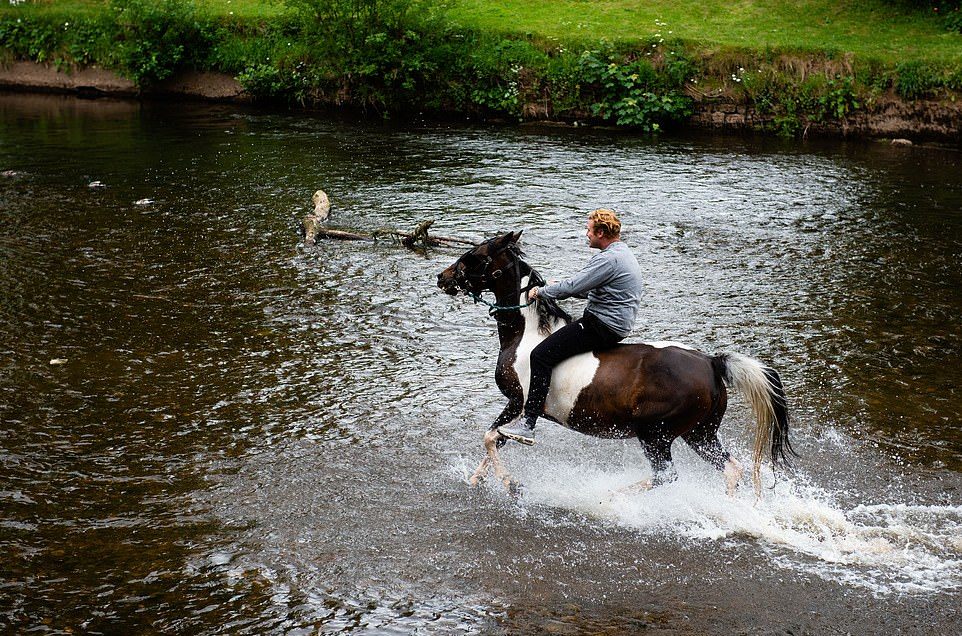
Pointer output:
839, 98
157, 37
632, 93
953, 20
386, 47
33, 40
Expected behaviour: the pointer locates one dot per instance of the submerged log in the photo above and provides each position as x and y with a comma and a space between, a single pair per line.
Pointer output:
313, 228
419, 237
341, 235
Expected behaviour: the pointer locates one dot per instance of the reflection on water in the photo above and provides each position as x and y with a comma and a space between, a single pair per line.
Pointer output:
248, 436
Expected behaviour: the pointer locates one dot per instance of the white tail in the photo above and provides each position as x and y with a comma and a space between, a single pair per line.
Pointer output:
763, 390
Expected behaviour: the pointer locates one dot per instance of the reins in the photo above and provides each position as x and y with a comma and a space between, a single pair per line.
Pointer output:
496, 308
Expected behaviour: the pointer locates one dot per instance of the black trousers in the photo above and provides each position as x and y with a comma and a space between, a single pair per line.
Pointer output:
581, 336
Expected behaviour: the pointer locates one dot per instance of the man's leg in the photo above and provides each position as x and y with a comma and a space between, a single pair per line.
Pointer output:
568, 341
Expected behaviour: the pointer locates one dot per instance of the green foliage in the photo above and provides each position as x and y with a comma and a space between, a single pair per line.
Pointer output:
916, 79
395, 56
562, 80
156, 37
954, 79
953, 20
633, 93
498, 74
293, 83
386, 48
792, 104
29, 39
839, 98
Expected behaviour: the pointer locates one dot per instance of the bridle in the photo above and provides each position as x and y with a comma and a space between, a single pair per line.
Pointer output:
467, 281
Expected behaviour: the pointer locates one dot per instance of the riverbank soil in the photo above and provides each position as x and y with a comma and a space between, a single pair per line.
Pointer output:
888, 117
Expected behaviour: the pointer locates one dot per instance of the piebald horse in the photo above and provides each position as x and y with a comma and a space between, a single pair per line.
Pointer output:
653, 391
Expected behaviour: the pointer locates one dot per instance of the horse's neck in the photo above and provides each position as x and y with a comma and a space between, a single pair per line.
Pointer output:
513, 327
511, 324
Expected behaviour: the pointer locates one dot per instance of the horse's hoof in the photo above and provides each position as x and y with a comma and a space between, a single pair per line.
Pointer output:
515, 490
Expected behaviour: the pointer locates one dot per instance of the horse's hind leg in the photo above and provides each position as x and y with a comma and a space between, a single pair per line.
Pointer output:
705, 442
658, 451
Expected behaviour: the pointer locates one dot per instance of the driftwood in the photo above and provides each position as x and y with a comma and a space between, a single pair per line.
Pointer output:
311, 224
312, 228
417, 238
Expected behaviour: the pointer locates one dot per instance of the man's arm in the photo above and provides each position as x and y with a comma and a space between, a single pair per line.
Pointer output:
595, 273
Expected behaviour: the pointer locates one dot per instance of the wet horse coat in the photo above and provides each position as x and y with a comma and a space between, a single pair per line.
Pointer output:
655, 392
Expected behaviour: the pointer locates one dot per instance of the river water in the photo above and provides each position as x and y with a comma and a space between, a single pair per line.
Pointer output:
208, 428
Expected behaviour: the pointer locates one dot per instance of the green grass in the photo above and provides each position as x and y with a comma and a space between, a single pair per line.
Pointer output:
869, 28
242, 9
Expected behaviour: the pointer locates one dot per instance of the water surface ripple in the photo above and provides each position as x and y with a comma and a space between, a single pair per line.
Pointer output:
249, 436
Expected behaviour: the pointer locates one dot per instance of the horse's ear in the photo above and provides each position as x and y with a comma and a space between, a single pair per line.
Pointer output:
507, 239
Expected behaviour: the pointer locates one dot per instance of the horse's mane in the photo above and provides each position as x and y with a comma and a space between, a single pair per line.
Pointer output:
547, 308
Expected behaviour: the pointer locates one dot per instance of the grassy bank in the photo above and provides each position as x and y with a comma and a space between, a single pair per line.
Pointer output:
884, 31
628, 62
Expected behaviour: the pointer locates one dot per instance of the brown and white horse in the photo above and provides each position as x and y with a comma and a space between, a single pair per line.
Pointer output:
653, 391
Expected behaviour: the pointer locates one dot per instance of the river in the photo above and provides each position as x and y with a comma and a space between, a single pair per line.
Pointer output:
209, 428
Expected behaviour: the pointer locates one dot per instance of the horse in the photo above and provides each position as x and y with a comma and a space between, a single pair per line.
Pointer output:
655, 392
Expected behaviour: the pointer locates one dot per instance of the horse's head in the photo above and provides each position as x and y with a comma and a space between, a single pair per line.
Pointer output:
480, 268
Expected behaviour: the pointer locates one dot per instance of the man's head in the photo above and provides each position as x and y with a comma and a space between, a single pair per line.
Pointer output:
604, 228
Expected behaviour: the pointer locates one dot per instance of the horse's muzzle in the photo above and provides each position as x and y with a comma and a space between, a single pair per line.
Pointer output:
447, 283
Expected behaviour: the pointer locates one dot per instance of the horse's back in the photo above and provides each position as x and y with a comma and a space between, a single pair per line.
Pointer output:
675, 362
639, 383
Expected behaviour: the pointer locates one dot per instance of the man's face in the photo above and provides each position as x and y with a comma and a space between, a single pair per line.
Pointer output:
595, 239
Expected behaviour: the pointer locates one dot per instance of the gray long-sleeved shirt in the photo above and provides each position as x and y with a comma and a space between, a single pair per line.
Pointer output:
611, 281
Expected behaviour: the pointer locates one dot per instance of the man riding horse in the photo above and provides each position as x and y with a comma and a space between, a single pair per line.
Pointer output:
611, 282
656, 392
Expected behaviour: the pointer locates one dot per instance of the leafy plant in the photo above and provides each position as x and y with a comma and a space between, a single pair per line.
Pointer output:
29, 39
631, 93
156, 37
839, 99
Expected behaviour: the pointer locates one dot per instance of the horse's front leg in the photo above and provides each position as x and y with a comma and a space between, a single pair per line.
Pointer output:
492, 442
482, 471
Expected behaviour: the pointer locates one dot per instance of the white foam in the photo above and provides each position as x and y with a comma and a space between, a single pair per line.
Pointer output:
882, 546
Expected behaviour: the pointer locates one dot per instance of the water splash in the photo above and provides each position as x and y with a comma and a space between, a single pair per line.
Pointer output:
884, 547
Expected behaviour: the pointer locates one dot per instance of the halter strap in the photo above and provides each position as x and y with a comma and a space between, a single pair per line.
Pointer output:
535, 280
